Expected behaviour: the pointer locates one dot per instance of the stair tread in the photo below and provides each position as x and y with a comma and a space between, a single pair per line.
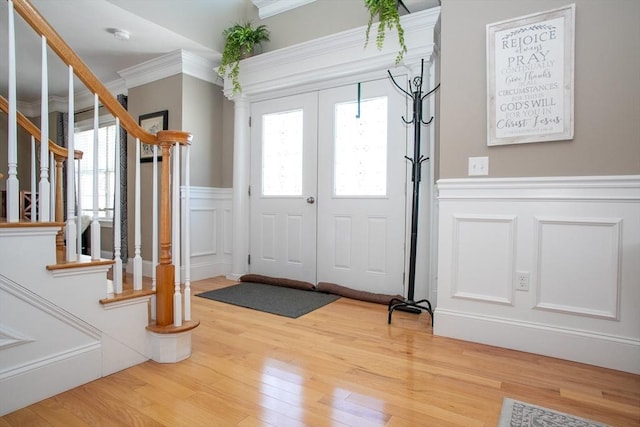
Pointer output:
127, 294
187, 325
25, 223
84, 261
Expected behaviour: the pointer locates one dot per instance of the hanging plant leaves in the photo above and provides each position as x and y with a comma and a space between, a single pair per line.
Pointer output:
388, 18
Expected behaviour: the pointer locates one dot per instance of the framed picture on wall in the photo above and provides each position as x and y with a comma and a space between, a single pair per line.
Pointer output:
530, 78
152, 123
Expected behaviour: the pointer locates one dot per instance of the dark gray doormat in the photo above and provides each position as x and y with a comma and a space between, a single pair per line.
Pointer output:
271, 299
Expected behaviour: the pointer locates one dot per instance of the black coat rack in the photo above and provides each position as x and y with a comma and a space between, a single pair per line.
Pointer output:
408, 304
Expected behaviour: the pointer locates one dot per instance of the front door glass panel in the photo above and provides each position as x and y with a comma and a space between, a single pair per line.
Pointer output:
282, 153
360, 147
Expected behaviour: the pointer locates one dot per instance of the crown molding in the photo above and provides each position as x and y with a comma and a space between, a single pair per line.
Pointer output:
267, 8
176, 62
332, 58
83, 99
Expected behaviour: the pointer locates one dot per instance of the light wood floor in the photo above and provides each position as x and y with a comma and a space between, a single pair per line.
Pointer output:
339, 365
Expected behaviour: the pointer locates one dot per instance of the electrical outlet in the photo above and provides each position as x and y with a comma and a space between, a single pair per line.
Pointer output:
522, 280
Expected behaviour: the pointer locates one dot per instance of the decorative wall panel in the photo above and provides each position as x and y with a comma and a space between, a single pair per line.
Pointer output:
578, 265
576, 239
211, 225
483, 253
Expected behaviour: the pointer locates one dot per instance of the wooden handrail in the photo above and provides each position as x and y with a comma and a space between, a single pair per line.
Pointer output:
26, 10
34, 131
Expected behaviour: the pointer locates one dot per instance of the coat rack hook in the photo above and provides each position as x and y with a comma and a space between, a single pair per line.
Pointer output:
397, 85
427, 123
431, 91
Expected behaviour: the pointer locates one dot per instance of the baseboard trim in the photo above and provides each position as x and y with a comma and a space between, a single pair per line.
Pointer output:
603, 350
198, 271
206, 270
23, 388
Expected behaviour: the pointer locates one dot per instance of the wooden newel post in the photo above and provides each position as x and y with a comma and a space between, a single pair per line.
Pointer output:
59, 213
165, 271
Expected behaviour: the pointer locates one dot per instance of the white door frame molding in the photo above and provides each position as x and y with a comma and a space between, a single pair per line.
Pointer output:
314, 65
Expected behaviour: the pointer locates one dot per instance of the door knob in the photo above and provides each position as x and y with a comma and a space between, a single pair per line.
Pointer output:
311, 200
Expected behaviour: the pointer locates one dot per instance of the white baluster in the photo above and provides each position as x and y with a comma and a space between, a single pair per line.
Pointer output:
175, 216
117, 255
12, 184
71, 230
154, 226
45, 188
187, 234
52, 204
137, 259
34, 184
95, 223
79, 215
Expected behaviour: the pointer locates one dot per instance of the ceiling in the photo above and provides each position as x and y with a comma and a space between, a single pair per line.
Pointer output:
156, 27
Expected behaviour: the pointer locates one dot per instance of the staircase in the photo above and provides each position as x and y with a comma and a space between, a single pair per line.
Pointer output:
62, 322
54, 332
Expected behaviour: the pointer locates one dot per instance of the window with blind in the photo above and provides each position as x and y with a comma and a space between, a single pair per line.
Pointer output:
84, 136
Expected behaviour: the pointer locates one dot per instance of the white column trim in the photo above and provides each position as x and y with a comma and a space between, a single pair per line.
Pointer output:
241, 170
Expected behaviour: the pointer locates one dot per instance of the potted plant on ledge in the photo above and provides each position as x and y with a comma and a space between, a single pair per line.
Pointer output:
241, 40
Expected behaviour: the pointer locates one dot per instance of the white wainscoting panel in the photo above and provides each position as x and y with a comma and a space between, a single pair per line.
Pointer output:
61, 356
575, 255
204, 242
210, 233
483, 250
577, 239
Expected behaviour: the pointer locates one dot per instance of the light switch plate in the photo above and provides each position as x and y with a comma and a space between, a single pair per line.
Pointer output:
478, 166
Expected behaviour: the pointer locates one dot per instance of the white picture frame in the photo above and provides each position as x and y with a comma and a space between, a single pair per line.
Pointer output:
530, 78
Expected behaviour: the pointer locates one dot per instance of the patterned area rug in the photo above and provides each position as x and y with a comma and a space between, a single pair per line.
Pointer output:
520, 414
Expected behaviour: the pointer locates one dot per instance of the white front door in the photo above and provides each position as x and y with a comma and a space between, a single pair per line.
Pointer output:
283, 187
328, 189
361, 187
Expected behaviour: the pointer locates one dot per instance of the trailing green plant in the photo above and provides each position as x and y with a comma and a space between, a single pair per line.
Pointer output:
388, 17
240, 41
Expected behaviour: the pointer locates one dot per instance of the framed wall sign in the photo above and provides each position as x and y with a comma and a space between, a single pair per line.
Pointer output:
152, 123
530, 84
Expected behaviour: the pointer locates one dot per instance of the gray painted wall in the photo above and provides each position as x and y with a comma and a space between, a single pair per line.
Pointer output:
164, 94
24, 151
311, 21
607, 92
195, 106
202, 116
